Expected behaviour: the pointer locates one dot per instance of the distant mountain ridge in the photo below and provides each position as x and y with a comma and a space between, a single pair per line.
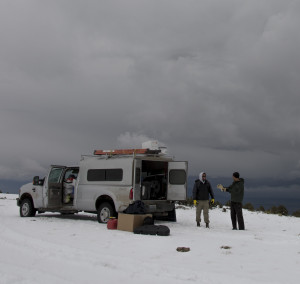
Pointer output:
12, 186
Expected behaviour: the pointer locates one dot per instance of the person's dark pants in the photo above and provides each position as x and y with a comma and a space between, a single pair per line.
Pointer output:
237, 214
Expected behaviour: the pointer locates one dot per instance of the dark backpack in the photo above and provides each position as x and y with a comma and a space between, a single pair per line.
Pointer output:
137, 207
148, 221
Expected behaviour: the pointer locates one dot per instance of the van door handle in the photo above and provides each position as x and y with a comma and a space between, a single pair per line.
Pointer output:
33, 189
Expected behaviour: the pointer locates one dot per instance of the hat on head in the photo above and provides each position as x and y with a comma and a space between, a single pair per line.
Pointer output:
236, 175
200, 176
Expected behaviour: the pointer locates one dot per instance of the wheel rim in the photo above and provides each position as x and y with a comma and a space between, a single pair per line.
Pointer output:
104, 214
25, 209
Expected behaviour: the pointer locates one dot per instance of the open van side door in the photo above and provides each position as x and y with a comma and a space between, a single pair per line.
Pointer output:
177, 181
55, 186
137, 171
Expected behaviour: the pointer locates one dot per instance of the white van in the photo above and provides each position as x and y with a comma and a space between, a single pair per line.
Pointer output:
106, 183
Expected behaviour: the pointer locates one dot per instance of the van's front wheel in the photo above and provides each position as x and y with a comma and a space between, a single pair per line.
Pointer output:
104, 212
27, 209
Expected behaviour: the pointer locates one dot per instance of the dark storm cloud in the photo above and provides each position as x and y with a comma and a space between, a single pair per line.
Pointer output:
217, 82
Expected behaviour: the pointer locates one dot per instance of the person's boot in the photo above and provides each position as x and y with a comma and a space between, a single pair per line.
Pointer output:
198, 224
207, 225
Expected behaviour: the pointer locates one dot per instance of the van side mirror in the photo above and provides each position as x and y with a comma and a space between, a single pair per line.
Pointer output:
36, 180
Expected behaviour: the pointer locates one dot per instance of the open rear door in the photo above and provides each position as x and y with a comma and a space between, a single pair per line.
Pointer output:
55, 185
137, 169
177, 181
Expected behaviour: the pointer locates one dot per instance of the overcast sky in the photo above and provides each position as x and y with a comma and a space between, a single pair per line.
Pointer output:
217, 82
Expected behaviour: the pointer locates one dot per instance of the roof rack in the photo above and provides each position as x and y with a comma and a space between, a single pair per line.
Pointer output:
127, 152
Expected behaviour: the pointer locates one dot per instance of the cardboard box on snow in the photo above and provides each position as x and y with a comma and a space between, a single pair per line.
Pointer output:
128, 222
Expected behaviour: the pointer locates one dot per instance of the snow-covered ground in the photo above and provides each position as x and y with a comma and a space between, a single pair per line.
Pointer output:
51, 248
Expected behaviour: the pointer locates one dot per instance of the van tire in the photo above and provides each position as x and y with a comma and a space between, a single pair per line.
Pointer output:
104, 212
172, 215
27, 209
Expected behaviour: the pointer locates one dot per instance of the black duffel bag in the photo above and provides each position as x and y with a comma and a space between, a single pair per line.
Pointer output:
159, 230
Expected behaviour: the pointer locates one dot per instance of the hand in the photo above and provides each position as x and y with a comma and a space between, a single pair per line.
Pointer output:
195, 202
212, 201
220, 186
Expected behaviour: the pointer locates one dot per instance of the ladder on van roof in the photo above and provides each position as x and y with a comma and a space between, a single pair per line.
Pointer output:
126, 152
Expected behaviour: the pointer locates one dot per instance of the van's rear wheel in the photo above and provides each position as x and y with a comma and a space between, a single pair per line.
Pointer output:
104, 212
26, 208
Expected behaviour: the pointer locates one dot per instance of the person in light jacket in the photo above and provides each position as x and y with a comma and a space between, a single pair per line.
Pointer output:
236, 190
201, 191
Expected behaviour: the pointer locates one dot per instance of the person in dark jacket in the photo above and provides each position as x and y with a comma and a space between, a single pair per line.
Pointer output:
201, 191
236, 190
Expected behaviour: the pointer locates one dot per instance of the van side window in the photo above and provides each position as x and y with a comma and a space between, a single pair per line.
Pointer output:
96, 175
177, 177
105, 175
114, 175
